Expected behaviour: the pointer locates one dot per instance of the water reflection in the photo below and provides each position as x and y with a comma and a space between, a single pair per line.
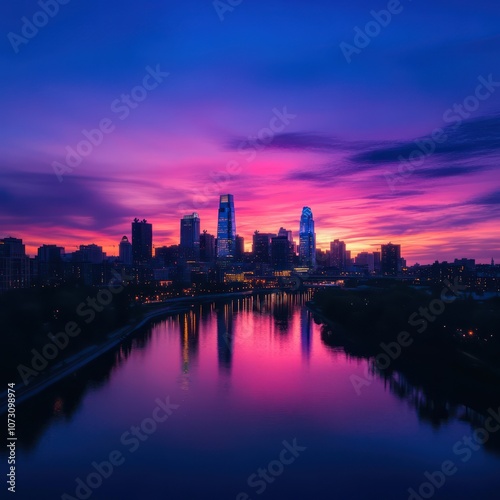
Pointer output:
437, 393
305, 332
225, 336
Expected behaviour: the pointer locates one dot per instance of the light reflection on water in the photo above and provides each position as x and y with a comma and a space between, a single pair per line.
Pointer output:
247, 375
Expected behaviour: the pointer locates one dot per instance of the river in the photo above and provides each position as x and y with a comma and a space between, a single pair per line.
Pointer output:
242, 399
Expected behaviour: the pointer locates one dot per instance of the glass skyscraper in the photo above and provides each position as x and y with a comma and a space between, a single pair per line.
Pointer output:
226, 228
307, 239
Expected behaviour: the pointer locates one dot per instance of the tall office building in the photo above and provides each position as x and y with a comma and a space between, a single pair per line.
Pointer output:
240, 247
142, 241
390, 262
226, 228
262, 247
365, 260
281, 253
126, 251
307, 239
89, 253
207, 247
338, 254
50, 264
190, 236
14, 264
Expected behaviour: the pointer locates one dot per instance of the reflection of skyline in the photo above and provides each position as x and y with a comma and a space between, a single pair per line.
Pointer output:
305, 332
434, 401
190, 338
225, 336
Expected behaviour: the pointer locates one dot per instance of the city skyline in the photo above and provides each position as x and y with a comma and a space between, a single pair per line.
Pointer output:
114, 249
281, 121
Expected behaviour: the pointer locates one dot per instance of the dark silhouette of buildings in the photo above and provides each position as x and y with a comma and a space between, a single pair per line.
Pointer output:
126, 252
190, 237
14, 264
390, 263
207, 247
142, 242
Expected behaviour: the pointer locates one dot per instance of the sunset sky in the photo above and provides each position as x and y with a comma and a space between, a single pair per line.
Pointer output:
337, 148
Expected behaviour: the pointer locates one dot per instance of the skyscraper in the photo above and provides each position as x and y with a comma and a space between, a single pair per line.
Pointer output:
307, 239
226, 228
338, 254
390, 262
207, 247
190, 236
240, 247
281, 253
142, 241
14, 264
126, 251
262, 247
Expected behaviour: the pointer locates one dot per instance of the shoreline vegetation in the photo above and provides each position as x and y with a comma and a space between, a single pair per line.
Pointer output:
452, 349
109, 327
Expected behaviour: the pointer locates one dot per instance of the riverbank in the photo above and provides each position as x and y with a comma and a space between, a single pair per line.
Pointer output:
68, 366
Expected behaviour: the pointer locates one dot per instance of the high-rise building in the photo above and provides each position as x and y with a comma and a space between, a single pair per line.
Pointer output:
126, 251
365, 260
307, 239
226, 228
14, 264
262, 247
289, 235
190, 236
142, 241
281, 253
338, 254
376, 261
49, 264
207, 247
240, 247
89, 253
390, 261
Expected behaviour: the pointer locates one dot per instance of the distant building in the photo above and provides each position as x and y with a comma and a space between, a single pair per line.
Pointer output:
126, 251
89, 253
168, 255
190, 237
338, 255
307, 239
14, 264
281, 253
261, 247
390, 261
240, 247
49, 264
142, 242
365, 260
207, 247
226, 228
